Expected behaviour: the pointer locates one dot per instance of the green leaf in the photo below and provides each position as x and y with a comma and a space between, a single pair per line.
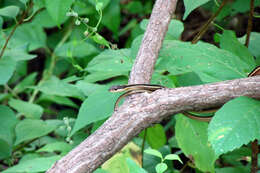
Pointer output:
9, 11
57, 87
225, 132
240, 169
57, 9
76, 48
18, 53
210, 63
133, 167
173, 157
88, 88
161, 167
254, 43
174, 32
29, 129
111, 16
230, 43
57, 99
7, 67
90, 111
156, 137
192, 138
30, 110
100, 40
40, 164
153, 152
63, 147
7, 125
26, 82
108, 64
190, 5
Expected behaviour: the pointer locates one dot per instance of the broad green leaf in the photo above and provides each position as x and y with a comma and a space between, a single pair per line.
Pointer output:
18, 53
29, 110
57, 9
88, 88
40, 164
133, 167
174, 32
101, 75
57, 87
161, 167
230, 43
190, 5
134, 7
45, 20
29, 129
210, 63
57, 99
104, 2
90, 111
26, 82
240, 169
254, 43
7, 67
153, 152
108, 64
173, 157
111, 16
63, 147
9, 11
76, 49
192, 138
225, 132
7, 125
99, 170
32, 34
156, 137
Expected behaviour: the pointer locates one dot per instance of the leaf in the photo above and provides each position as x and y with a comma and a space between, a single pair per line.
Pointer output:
29, 129
63, 147
90, 111
174, 32
190, 5
173, 157
133, 167
18, 53
40, 164
100, 40
229, 42
7, 67
254, 43
156, 137
57, 9
192, 138
31, 34
57, 99
153, 152
111, 16
225, 132
55, 86
88, 88
210, 63
26, 82
108, 64
30, 110
9, 11
161, 167
7, 125
76, 48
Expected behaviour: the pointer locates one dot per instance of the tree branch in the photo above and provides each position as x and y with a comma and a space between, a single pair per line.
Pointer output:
142, 111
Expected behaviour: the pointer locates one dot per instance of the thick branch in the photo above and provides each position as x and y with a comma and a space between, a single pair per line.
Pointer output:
152, 41
142, 111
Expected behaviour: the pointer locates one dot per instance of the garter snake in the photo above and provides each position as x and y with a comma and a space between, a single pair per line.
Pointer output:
140, 88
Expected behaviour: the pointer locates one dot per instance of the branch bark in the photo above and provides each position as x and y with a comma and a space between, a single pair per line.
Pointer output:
142, 111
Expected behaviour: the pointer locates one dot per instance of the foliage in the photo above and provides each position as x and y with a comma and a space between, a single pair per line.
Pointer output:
58, 58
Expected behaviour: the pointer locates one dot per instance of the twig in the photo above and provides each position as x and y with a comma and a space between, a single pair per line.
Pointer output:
207, 24
142, 151
249, 23
255, 151
25, 13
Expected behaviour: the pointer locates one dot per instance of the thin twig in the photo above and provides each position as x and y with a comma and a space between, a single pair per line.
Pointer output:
25, 13
255, 151
250, 23
207, 24
145, 133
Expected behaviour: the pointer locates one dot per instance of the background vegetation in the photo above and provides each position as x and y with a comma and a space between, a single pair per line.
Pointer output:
59, 57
